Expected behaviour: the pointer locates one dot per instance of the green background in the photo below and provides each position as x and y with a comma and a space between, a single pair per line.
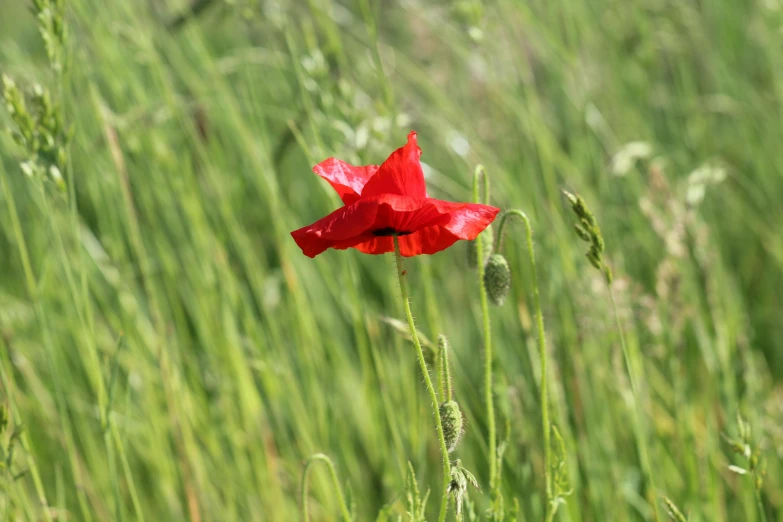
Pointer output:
176, 305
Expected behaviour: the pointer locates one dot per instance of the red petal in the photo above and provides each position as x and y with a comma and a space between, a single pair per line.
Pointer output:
356, 223
466, 220
346, 179
400, 174
426, 226
457, 221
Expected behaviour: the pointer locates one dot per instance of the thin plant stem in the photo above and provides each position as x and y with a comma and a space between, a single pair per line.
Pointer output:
32, 466
427, 381
759, 503
127, 471
640, 435
320, 457
443, 370
542, 352
478, 176
447, 372
441, 376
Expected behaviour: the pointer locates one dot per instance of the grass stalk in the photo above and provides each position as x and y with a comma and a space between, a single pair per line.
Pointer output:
760, 505
630, 363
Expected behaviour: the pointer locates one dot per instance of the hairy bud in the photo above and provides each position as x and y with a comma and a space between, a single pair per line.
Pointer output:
497, 279
453, 424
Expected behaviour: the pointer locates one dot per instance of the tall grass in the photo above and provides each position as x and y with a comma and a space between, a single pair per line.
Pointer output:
167, 353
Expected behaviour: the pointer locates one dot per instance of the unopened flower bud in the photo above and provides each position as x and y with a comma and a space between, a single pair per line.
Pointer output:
497, 279
453, 424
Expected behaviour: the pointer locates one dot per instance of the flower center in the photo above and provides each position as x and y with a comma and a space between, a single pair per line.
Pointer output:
389, 231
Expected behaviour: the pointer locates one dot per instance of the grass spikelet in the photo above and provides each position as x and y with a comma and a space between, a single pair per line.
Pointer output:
673, 511
587, 230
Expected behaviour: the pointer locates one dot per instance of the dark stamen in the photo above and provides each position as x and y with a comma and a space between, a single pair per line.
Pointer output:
389, 231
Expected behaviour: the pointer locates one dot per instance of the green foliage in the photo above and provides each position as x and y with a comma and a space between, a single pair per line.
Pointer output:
10, 472
560, 484
190, 163
416, 504
500, 510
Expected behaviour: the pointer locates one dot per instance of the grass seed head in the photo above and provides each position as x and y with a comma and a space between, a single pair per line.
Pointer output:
39, 130
587, 230
673, 511
50, 18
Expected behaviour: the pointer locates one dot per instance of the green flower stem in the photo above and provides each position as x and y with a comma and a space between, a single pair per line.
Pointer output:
320, 457
433, 396
759, 503
447, 373
441, 376
544, 393
443, 370
478, 176
640, 433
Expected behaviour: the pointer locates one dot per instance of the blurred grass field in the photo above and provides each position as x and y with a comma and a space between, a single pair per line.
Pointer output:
172, 356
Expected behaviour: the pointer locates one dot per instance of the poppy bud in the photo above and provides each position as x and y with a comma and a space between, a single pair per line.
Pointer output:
487, 239
497, 279
453, 426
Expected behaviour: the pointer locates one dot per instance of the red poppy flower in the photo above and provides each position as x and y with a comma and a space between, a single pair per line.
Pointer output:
381, 202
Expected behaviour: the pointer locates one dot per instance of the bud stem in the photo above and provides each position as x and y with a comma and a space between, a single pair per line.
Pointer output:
443, 370
447, 373
542, 353
759, 502
337, 487
427, 381
478, 176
